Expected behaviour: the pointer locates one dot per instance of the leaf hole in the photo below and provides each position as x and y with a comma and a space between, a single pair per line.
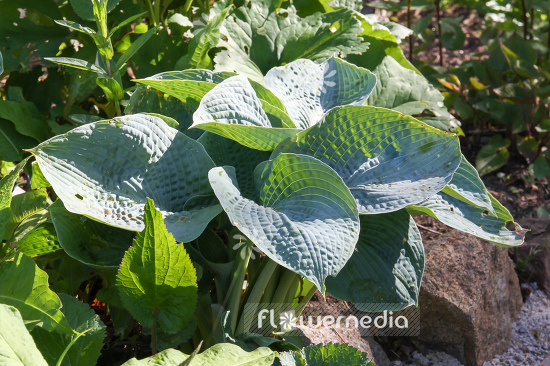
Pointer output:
79, 196
510, 225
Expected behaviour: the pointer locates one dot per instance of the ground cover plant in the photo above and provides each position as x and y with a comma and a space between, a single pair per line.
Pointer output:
259, 167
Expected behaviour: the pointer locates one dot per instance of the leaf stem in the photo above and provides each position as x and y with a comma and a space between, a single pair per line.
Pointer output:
154, 333
187, 6
235, 289
70, 345
151, 12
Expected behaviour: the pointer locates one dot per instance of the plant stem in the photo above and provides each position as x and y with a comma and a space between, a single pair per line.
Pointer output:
285, 283
154, 333
256, 290
69, 346
412, 34
525, 24
187, 6
151, 12
157, 12
303, 302
235, 290
438, 15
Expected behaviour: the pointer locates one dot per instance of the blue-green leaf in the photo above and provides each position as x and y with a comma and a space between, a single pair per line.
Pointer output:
105, 170
307, 220
381, 155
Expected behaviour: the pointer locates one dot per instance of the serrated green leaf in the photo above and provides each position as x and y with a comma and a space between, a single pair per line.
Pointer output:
6, 187
306, 211
40, 242
328, 355
381, 155
467, 186
24, 206
122, 161
25, 286
88, 241
232, 109
406, 91
309, 90
86, 349
387, 266
473, 220
157, 280
17, 347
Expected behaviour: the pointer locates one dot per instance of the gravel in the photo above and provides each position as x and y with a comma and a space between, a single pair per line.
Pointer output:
530, 344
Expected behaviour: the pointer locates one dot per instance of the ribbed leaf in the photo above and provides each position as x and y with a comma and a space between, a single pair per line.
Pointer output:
468, 187
86, 349
307, 220
88, 241
387, 266
17, 347
105, 170
473, 220
189, 86
6, 187
232, 110
25, 286
259, 37
226, 152
157, 280
388, 160
408, 92
308, 89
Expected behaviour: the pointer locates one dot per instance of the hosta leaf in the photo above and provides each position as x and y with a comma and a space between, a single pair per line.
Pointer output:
307, 220
157, 280
223, 353
226, 152
17, 347
260, 36
86, 349
105, 170
89, 241
467, 186
232, 110
381, 155
6, 187
189, 86
25, 286
40, 242
500, 229
25, 119
406, 91
308, 90
387, 266
23, 206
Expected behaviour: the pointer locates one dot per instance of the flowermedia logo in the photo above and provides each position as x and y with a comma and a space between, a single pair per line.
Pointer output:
370, 320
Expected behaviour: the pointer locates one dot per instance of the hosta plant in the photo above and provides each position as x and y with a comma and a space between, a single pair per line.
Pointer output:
293, 183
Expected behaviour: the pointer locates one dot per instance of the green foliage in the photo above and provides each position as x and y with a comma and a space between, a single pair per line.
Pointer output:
17, 347
156, 279
293, 129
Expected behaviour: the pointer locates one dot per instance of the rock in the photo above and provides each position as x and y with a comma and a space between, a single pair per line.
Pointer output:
469, 298
537, 250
